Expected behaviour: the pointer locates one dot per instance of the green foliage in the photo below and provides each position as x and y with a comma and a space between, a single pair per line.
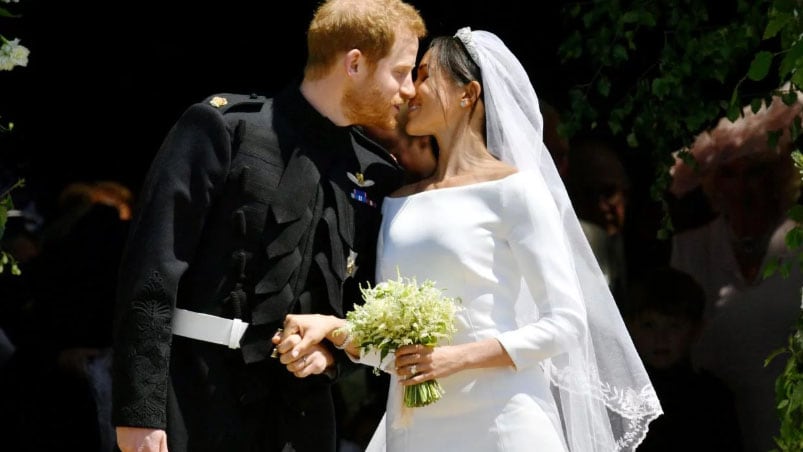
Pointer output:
6, 13
660, 72
11, 55
789, 393
789, 385
6, 204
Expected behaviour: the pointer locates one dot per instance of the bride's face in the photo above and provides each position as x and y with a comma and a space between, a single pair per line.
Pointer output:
435, 102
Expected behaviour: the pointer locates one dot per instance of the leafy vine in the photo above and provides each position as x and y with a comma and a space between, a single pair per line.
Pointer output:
12, 54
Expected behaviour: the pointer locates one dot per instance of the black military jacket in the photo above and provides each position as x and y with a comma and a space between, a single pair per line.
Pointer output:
252, 208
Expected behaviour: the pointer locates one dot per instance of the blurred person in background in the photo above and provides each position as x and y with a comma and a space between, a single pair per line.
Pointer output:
750, 182
664, 314
599, 187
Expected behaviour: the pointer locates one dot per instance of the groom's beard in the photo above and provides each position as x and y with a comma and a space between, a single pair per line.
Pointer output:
368, 106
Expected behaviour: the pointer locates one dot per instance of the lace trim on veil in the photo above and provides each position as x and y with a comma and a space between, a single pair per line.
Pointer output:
636, 407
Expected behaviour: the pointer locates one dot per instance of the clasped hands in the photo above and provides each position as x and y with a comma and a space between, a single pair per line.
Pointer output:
299, 345
300, 350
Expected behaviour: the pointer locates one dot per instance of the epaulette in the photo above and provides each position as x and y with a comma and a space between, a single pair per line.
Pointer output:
236, 103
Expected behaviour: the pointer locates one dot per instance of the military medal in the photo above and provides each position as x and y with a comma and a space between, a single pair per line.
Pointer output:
362, 197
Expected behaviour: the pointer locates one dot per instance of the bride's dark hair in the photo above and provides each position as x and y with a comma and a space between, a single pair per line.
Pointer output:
450, 55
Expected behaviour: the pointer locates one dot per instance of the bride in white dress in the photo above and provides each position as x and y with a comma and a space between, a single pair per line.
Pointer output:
541, 360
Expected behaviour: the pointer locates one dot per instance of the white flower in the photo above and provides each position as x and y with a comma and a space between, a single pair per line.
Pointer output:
400, 312
12, 54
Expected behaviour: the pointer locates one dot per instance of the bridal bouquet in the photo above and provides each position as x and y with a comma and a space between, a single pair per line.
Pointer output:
401, 312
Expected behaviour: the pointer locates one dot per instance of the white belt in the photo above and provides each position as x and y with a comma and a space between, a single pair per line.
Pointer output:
209, 328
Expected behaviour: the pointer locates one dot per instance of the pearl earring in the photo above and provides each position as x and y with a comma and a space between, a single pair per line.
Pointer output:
464, 103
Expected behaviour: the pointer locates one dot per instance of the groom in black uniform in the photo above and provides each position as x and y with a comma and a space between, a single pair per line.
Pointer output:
254, 208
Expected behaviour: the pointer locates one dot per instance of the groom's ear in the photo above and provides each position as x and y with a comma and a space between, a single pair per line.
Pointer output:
353, 63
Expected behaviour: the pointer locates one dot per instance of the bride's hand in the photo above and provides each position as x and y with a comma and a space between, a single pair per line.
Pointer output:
312, 328
314, 360
419, 363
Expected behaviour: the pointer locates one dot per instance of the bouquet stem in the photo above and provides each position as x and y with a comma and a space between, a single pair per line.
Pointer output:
422, 394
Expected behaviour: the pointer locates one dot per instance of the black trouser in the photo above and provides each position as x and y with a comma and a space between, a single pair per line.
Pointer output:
226, 406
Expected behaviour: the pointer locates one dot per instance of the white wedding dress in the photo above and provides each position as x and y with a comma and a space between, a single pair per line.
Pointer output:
484, 243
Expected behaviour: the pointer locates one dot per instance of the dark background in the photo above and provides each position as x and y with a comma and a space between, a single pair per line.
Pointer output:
106, 80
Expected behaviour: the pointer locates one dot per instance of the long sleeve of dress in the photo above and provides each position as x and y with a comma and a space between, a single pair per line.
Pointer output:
538, 243
182, 183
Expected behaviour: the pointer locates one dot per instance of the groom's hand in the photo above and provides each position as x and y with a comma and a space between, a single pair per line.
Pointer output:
134, 439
